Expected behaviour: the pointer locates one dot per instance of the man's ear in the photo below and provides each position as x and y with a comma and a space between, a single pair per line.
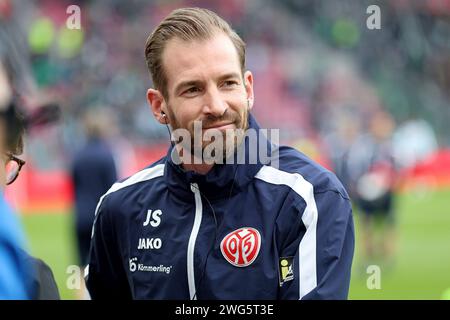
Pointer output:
248, 83
157, 104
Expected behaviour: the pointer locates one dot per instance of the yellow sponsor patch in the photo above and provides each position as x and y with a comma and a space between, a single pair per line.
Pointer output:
286, 269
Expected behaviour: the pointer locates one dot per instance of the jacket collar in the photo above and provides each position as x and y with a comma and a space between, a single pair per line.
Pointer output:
223, 180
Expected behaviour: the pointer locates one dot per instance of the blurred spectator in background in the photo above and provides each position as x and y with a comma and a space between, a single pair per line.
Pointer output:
93, 173
413, 141
370, 171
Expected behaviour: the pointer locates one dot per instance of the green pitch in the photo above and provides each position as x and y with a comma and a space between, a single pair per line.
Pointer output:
422, 265
51, 237
421, 269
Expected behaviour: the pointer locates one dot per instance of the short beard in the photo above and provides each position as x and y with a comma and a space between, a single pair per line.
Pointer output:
233, 138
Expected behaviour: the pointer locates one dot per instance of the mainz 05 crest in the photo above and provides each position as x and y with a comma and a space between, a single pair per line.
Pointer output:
241, 247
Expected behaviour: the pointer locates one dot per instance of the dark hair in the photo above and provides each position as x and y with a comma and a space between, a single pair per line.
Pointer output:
15, 129
187, 24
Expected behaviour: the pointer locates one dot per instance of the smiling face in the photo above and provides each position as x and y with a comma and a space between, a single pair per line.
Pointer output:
204, 83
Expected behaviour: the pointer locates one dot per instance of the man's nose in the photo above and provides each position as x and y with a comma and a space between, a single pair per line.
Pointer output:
214, 104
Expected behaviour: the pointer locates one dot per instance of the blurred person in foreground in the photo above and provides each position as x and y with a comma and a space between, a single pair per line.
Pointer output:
226, 223
93, 173
34, 273
15, 282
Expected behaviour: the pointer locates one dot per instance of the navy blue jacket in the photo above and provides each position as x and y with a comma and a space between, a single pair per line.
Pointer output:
249, 231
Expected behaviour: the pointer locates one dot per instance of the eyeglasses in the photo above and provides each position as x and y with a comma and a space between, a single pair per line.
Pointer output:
13, 167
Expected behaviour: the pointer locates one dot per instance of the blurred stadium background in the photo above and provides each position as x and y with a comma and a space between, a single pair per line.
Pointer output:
319, 71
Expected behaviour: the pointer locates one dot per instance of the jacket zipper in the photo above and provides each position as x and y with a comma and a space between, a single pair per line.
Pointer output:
192, 239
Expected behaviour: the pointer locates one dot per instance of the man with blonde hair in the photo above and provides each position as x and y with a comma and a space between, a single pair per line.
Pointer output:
239, 227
